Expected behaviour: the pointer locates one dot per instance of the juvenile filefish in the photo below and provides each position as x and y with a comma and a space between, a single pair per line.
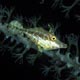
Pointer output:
43, 39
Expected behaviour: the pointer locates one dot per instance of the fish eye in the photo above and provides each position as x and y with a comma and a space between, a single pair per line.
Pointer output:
53, 38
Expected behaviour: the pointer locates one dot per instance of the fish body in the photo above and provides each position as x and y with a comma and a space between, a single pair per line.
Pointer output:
43, 39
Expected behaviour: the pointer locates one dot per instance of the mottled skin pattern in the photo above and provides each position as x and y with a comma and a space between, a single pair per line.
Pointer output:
43, 39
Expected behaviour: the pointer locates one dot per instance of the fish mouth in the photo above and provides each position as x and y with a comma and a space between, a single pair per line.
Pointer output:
63, 46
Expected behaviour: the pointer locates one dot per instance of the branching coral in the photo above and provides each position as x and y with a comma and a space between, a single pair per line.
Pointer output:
73, 40
5, 13
78, 17
66, 9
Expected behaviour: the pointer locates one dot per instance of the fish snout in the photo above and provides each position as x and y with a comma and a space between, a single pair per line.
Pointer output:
63, 45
